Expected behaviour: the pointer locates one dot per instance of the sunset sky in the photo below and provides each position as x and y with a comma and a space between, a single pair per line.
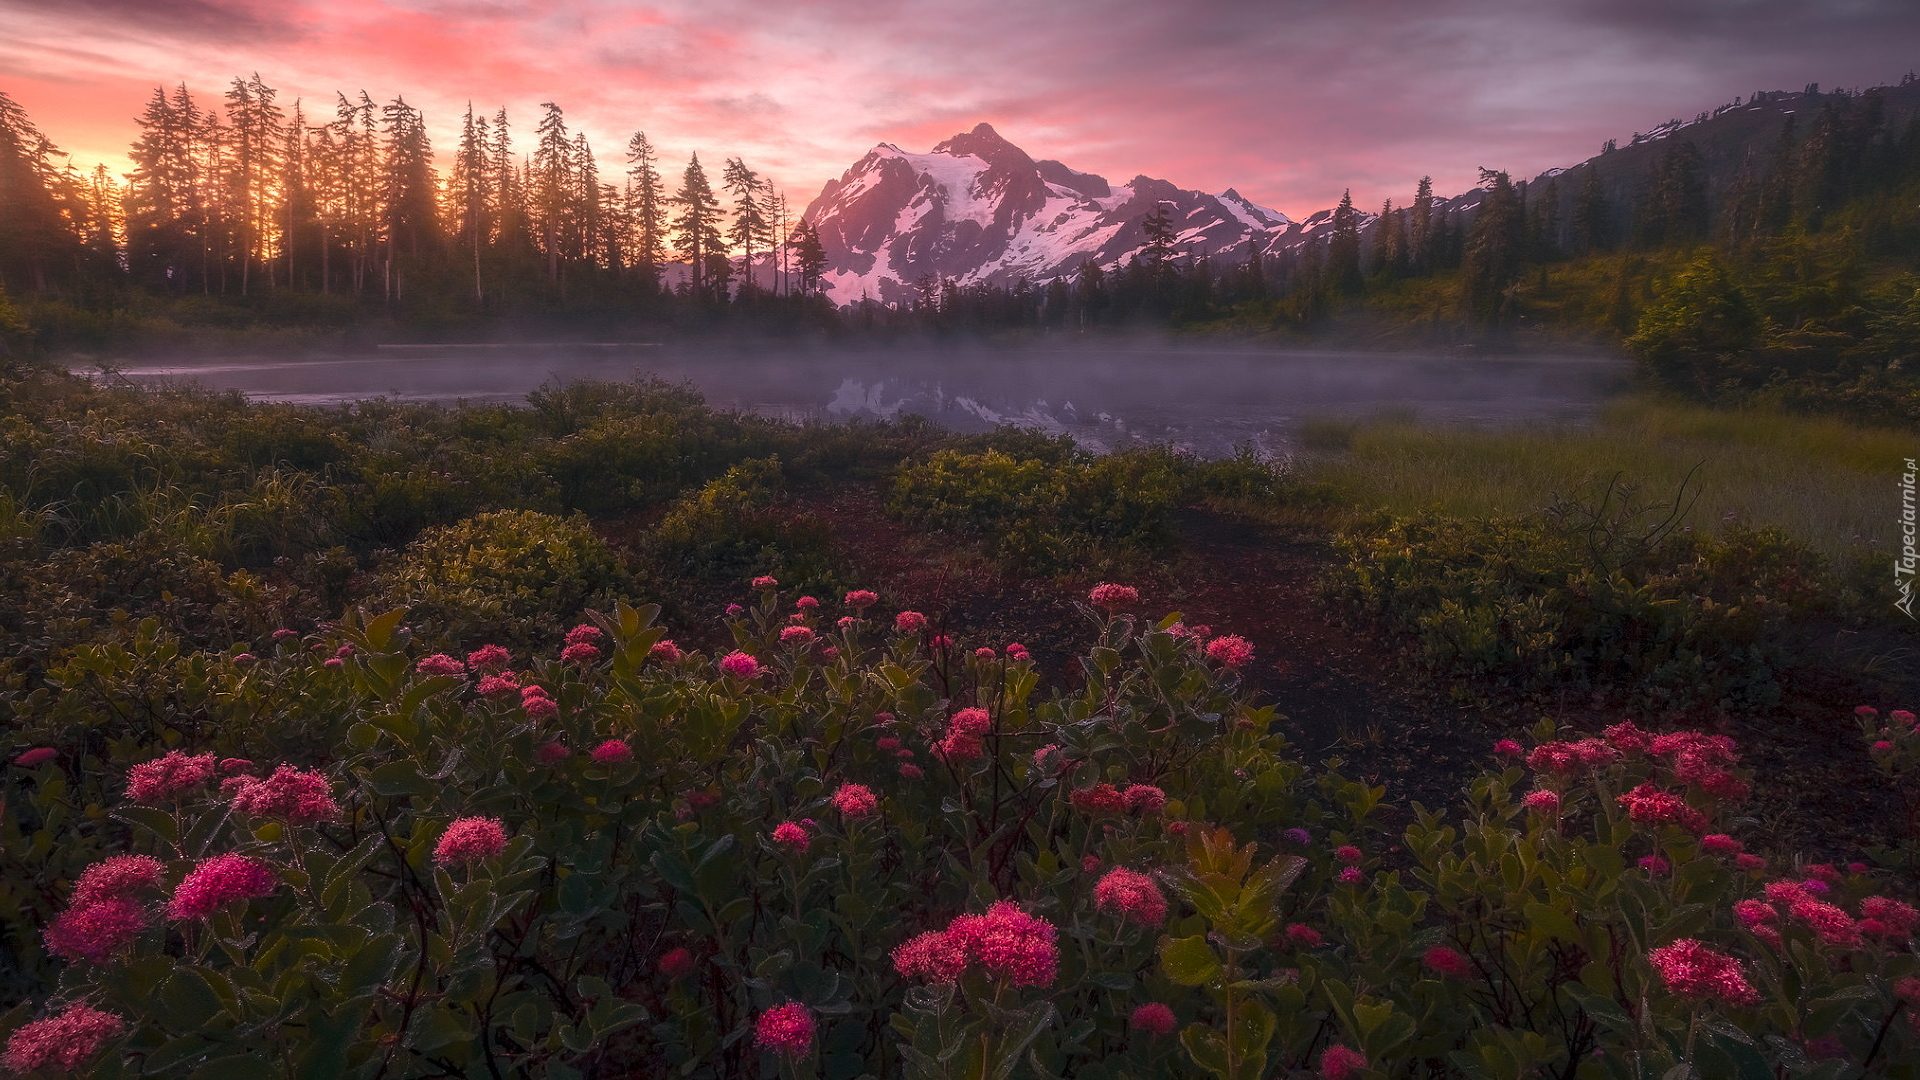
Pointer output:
1290, 101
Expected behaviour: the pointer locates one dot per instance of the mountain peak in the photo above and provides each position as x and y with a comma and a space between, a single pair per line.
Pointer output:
985, 143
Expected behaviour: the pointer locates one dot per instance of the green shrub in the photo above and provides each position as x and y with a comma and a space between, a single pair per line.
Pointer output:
508, 576
732, 529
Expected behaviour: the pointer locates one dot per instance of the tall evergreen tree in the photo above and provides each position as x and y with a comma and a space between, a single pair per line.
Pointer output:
750, 228
36, 244
163, 192
1592, 217
554, 186
1421, 255
411, 222
649, 209
809, 256
1389, 242
470, 194
696, 229
1343, 248
254, 135
1496, 243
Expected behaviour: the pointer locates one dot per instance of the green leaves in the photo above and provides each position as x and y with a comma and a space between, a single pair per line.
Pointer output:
1189, 961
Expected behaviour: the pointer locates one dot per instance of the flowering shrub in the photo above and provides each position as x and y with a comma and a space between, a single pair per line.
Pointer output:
888, 861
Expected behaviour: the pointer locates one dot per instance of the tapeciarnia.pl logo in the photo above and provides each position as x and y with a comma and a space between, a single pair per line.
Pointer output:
1903, 567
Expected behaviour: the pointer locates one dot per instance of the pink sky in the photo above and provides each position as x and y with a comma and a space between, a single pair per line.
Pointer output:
1290, 101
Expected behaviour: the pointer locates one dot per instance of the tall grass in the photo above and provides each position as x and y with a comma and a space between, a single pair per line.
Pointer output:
1827, 482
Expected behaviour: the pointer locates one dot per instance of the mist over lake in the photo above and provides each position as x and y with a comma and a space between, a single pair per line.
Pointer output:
1208, 401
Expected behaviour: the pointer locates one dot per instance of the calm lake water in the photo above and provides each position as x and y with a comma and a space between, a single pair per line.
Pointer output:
1205, 400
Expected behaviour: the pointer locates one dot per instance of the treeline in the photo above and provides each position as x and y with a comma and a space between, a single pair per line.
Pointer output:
246, 196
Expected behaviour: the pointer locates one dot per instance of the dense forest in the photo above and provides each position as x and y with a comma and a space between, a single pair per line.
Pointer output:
1766, 251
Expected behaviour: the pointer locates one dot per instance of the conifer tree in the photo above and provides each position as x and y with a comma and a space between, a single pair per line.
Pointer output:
1343, 248
696, 229
1495, 246
409, 187
296, 190
254, 136
649, 209
1420, 231
1389, 242
809, 256
35, 241
1592, 217
162, 193
471, 192
554, 186
750, 228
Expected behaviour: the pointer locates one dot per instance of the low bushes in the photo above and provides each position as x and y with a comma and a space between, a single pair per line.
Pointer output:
852, 849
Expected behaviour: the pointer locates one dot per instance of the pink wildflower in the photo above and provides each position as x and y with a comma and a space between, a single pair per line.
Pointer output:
1131, 895
793, 836
62, 1043
1542, 802
1144, 799
1176, 828
36, 757
612, 752
1901, 717
1648, 805
488, 658
1883, 747
807, 604
910, 622
1508, 748
495, 685
933, 956
584, 634
739, 665
93, 930
676, 963
1865, 712
766, 581
1089, 863
1628, 738
580, 653
220, 881
1010, 944
440, 664
965, 732
1898, 918
734, 611
1018, 652
846, 623
1347, 855
859, 599
1230, 650
786, 1029
1745, 861
1834, 926
1113, 597
344, 650
666, 651
333, 663
1098, 799
1302, 936
539, 706
1692, 970
1448, 962
1341, 1062
1153, 1018
702, 800
551, 753
289, 795
118, 877
284, 634
939, 642
796, 636
167, 778
1752, 913
1351, 876
985, 653
471, 839
855, 800
911, 771
1721, 844
1655, 865
887, 743
1042, 758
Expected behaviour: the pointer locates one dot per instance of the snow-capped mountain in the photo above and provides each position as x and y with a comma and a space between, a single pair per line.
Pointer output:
978, 209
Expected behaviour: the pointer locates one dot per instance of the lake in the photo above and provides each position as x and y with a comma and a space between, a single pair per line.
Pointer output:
1208, 401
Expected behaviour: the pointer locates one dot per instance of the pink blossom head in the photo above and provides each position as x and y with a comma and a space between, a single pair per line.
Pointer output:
284, 634
1098, 799
739, 665
807, 604
1341, 1062
1749, 862
219, 881
734, 611
1230, 651
1542, 802
581, 653
1347, 855
910, 771
933, 956
1901, 717
1298, 836
612, 752
1144, 799
1694, 971
539, 706
861, 599
585, 634
855, 800
1302, 936
36, 757
666, 652
489, 658
797, 637
1720, 844
1133, 896
1655, 866
1508, 748
1089, 863
505, 682
985, 653
63, 1043
289, 795
118, 878
471, 839
766, 581
1010, 944
676, 963
439, 664
169, 777
1153, 1018
1628, 738
785, 1029
1896, 917
551, 753
1883, 747
1448, 962
1018, 652
792, 836
846, 623
910, 622
1865, 712
95, 929
1648, 805
1350, 876
1113, 597
333, 663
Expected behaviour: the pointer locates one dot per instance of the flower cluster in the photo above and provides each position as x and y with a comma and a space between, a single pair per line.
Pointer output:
168, 778
739, 665
855, 800
786, 1029
489, 658
1230, 651
1107, 799
1648, 805
537, 703
1131, 895
219, 881
1113, 597
61, 1043
1692, 970
1006, 942
289, 795
470, 839
793, 836
440, 664
965, 735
